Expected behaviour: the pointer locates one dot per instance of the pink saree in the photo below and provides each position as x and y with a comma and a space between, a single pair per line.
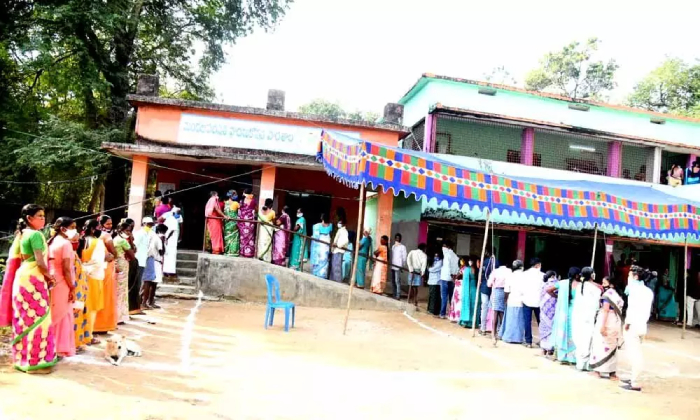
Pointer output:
281, 241
214, 226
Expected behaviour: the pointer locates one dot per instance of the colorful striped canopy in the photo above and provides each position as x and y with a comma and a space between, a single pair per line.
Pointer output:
634, 211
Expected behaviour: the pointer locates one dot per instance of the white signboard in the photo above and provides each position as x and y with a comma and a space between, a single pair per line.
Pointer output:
243, 134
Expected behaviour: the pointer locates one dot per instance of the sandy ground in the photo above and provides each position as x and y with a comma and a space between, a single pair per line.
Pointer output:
387, 366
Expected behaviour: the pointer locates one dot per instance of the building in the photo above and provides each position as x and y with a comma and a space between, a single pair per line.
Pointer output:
512, 132
195, 147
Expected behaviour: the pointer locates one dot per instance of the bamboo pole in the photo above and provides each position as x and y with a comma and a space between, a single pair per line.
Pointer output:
481, 270
685, 286
595, 242
360, 221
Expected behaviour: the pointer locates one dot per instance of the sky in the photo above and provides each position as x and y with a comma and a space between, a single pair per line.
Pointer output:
366, 53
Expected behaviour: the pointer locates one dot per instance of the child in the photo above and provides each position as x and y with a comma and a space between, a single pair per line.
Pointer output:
153, 274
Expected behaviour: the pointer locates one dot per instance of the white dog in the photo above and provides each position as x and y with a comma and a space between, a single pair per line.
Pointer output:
118, 348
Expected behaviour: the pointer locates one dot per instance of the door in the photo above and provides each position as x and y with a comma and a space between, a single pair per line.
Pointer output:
313, 206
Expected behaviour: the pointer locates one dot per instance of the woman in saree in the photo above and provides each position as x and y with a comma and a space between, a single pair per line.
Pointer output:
320, 250
62, 267
363, 257
280, 242
231, 239
246, 229
666, 307
586, 307
548, 306
296, 254
455, 312
266, 217
106, 319
470, 295
83, 336
215, 216
14, 260
380, 267
34, 337
607, 334
124, 253
563, 290
93, 253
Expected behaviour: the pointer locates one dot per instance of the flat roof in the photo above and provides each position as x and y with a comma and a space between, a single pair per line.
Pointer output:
426, 77
135, 100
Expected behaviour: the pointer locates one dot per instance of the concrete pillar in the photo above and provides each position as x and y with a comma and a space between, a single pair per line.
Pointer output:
527, 146
656, 169
137, 191
608, 257
267, 184
422, 232
522, 238
429, 134
385, 208
614, 159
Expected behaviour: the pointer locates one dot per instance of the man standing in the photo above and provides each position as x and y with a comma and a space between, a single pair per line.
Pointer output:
417, 263
692, 302
640, 300
340, 242
450, 269
398, 260
533, 281
485, 290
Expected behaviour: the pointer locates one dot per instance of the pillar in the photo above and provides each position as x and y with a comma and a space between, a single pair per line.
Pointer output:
527, 146
385, 208
137, 191
422, 232
267, 184
522, 238
614, 159
429, 134
656, 169
609, 261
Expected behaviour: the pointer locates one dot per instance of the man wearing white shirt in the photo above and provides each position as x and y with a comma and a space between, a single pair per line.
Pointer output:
533, 281
417, 261
398, 260
639, 304
450, 269
340, 242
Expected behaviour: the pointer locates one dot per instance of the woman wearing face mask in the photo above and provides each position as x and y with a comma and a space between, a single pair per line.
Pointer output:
62, 267
607, 333
319, 250
106, 319
586, 307
296, 255
381, 266
455, 312
247, 229
214, 220
93, 252
34, 337
266, 217
231, 239
363, 257
340, 242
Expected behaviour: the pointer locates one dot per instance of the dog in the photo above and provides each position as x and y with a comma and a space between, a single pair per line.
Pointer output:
118, 348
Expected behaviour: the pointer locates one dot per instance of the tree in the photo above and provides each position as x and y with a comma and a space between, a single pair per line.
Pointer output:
672, 87
572, 73
334, 111
500, 75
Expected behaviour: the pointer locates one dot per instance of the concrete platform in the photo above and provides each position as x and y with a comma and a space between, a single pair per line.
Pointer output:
244, 279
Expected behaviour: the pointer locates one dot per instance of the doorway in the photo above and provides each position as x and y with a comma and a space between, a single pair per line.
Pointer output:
313, 205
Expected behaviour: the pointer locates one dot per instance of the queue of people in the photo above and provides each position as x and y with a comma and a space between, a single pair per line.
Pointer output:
58, 293
677, 175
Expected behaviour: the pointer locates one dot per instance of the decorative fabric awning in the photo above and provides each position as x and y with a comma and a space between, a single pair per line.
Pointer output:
633, 211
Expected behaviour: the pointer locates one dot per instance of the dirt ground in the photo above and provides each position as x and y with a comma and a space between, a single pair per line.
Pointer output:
387, 366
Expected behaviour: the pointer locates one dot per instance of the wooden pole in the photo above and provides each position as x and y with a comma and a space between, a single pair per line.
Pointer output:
360, 219
595, 241
685, 285
481, 270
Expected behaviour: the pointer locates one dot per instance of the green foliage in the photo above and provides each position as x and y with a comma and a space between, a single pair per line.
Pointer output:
673, 87
572, 73
333, 110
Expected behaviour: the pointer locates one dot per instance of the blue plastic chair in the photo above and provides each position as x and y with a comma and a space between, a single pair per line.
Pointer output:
274, 302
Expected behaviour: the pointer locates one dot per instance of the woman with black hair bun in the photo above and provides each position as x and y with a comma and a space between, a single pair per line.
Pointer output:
586, 305
563, 290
